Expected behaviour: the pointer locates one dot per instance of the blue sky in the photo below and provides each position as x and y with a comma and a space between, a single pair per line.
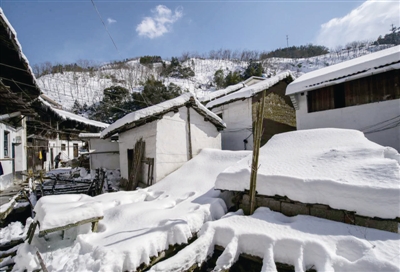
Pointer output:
66, 31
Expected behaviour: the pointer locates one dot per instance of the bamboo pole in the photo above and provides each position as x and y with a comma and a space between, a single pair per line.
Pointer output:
189, 134
256, 150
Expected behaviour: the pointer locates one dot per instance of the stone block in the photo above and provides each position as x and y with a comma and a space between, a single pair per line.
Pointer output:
386, 225
246, 199
274, 205
317, 212
320, 206
335, 215
269, 202
291, 209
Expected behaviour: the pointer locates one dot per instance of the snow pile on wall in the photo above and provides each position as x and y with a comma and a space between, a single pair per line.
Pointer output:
61, 210
336, 167
302, 241
137, 224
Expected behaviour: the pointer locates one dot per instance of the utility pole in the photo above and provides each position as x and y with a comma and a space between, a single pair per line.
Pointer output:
287, 40
256, 150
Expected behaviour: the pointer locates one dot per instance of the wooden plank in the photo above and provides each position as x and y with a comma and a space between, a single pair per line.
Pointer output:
82, 222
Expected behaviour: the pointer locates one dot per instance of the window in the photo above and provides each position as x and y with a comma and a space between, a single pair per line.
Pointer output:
63, 147
220, 115
6, 144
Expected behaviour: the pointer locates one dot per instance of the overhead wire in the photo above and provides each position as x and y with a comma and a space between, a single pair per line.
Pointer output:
101, 19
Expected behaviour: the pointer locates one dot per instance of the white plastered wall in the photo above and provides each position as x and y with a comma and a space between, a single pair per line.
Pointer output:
7, 178
360, 117
172, 143
173, 139
107, 160
128, 139
238, 118
67, 154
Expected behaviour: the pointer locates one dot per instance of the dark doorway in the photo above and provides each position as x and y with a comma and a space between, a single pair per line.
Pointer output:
75, 147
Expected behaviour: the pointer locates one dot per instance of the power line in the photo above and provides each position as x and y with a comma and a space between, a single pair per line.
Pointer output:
101, 19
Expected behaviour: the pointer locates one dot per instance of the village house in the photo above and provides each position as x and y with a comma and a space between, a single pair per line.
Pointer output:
362, 94
155, 141
18, 89
103, 153
238, 110
55, 130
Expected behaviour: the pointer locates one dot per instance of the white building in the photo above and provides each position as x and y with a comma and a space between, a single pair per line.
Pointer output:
362, 94
104, 153
157, 140
238, 109
18, 89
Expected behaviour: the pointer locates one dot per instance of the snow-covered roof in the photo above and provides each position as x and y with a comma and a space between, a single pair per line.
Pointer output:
250, 91
147, 114
230, 89
65, 115
336, 167
89, 135
17, 81
216, 94
373, 63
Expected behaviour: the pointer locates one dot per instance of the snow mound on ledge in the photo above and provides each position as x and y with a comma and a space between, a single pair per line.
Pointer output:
336, 167
139, 224
302, 241
62, 210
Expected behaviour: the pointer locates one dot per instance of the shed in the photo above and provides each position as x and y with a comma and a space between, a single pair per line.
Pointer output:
157, 140
61, 128
362, 94
238, 110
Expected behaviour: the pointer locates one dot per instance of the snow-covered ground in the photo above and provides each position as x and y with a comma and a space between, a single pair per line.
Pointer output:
302, 241
336, 167
137, 225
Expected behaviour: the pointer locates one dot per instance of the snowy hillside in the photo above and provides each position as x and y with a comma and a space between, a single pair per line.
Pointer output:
87, 87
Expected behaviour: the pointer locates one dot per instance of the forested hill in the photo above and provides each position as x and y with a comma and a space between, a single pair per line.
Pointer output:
88, 88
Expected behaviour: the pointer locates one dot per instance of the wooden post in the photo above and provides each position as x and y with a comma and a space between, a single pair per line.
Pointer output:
189, 133
32, 233
256, 150
42, 265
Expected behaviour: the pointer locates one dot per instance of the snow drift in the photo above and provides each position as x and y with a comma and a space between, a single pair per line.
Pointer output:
302, 241
137, 225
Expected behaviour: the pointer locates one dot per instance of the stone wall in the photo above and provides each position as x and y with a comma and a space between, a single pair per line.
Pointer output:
291, 208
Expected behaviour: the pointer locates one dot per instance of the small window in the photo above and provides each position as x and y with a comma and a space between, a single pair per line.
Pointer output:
6, 144
63, 147
220, 115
